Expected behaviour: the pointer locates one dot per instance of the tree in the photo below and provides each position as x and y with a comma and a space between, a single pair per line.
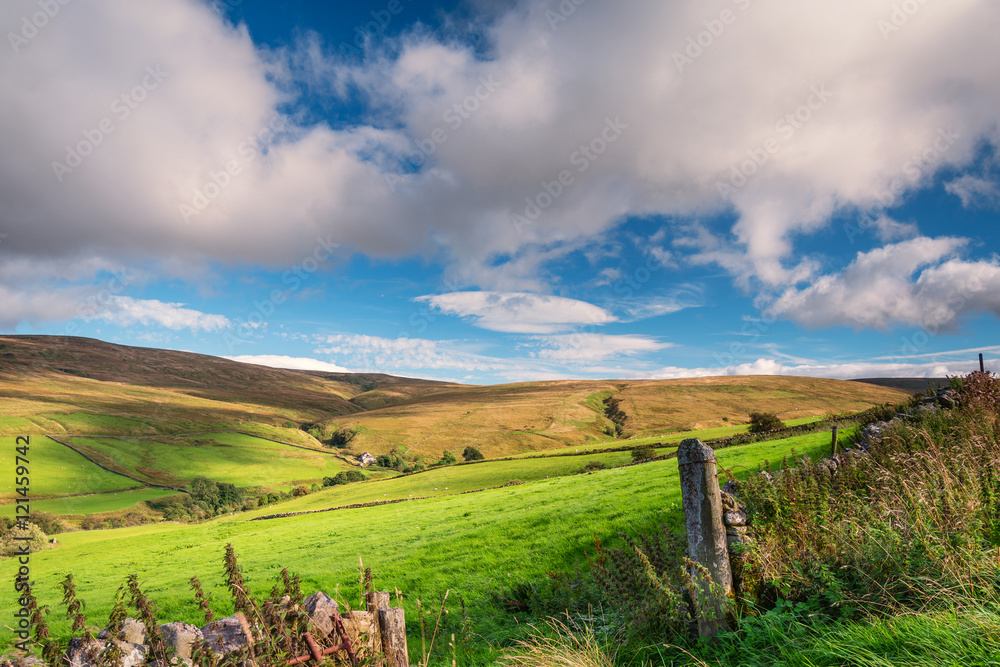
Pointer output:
345, 477
447, 459
762, 422
342, 437
472, 454
643, 453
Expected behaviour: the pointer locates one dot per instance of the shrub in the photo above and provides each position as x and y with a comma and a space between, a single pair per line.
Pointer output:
472, 454
342, 437
762, 422
592, 466
906, 524
49, 523
14, 540
345, 477
643, 453
446, 459
300, 491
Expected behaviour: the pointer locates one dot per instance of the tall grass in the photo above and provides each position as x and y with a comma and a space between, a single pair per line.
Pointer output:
912, 523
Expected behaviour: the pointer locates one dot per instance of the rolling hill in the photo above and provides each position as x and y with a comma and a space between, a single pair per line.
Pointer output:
161, 417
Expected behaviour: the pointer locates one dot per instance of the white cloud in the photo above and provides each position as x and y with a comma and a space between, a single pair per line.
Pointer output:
839, 371
975, 191
919, 282
591, 347
295, 363
519, 312
126, 311
374, 353
888, 229
891, 97
39, 304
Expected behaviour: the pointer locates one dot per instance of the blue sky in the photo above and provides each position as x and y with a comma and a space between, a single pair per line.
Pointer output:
490, 191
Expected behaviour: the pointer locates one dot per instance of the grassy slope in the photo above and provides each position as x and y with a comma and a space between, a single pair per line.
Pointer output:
472, 544
225, 457
53, 384
56, 470
58, 384
508, 419
91, 503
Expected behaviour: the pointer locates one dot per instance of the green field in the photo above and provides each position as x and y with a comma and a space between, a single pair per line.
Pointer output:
657, 440
449, 480
92, 503
225, 457
56, 470
472, 544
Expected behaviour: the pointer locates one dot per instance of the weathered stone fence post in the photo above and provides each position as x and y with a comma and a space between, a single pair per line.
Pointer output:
706, 534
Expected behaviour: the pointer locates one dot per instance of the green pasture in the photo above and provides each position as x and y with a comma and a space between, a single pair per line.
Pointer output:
666, 438
55, 469
473, 544
235, 458
449, 480
92, 503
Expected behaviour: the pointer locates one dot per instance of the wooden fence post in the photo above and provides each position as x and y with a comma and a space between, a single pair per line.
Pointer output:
833, 447
392, 627
706, 533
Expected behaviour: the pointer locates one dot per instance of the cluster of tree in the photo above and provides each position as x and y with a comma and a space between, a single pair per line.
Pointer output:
399, 459
613, 411
447, 458
762, 422
643, 453
472, 454
345, 477
342, 437
116, 520
215, 495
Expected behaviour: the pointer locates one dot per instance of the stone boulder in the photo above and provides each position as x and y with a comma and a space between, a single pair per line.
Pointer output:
18, 661
180, 637
321, 609
84, 654
225, 635
133, 631
88, 654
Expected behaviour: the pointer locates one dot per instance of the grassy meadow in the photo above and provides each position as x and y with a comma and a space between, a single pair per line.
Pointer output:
477, 545
225, 457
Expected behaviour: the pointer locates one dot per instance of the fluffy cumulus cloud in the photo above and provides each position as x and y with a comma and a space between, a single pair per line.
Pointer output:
42, 305
519, 312
902, 368
177, 138
295, 363
975, 191
378, 354
921, 282
591, 347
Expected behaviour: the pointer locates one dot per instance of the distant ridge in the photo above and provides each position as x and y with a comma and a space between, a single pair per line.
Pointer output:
913, 385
